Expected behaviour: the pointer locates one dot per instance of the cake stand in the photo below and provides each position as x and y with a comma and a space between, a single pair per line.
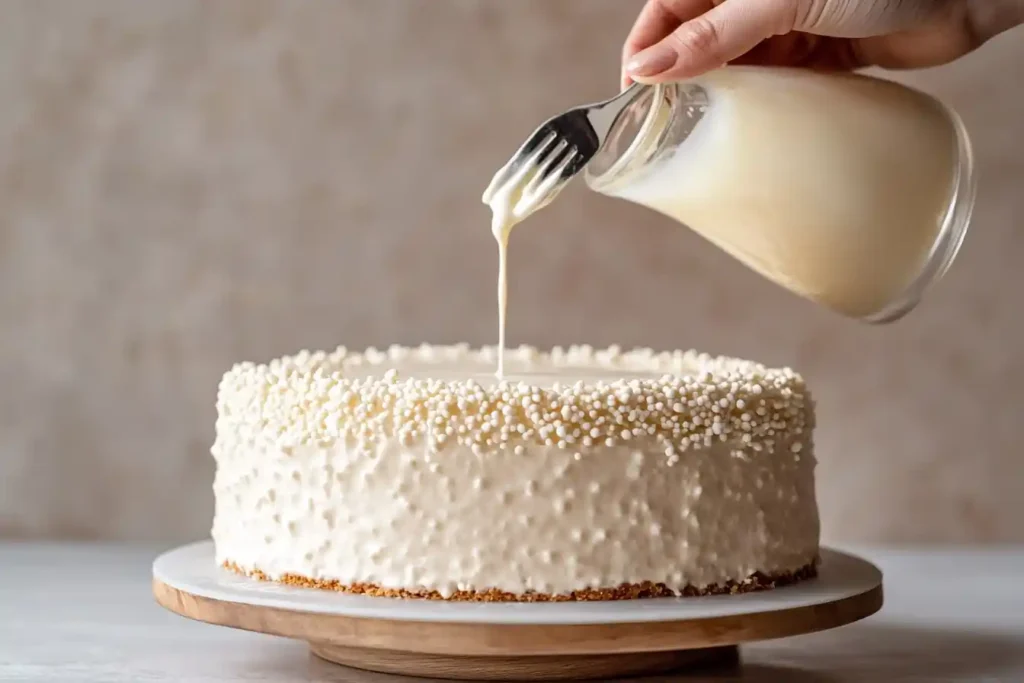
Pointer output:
516, 641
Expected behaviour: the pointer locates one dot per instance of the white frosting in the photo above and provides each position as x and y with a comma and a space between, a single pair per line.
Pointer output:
540, 521
413, 514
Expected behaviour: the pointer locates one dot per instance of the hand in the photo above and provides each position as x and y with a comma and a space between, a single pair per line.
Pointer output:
677, 39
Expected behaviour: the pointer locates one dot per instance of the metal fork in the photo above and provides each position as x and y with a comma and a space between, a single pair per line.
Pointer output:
561, 147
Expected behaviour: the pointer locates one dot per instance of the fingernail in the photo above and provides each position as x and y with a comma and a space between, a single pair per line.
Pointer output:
652, 61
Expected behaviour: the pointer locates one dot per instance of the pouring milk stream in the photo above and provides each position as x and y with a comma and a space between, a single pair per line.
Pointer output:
851, 191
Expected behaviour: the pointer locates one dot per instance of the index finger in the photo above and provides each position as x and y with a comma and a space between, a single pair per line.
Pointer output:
656, 20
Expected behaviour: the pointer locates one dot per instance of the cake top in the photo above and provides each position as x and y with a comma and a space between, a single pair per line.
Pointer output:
571, 398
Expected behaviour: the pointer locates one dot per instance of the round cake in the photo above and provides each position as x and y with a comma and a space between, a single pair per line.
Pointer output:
581, 475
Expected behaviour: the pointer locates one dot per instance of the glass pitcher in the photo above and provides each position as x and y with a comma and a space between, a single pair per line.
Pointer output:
854, 192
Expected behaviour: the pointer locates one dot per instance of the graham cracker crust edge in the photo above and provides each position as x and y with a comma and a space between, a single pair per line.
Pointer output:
758, 581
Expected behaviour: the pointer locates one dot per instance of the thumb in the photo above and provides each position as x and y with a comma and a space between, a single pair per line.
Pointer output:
711, 40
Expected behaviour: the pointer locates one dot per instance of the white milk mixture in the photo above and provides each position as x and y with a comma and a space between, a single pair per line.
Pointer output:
508, 207
833, 186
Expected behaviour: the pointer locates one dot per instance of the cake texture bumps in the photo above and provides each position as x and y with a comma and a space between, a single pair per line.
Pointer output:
583, 475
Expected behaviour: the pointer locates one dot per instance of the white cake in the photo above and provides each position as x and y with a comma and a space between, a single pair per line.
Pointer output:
584, 475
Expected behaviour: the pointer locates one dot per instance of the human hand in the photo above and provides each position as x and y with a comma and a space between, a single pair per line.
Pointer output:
677, 39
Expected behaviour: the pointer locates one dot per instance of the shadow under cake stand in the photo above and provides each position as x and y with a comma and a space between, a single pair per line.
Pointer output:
516, 641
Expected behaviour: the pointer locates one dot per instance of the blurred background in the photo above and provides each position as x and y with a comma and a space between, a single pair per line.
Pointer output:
188, 184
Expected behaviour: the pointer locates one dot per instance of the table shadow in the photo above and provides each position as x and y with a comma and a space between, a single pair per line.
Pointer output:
868, 652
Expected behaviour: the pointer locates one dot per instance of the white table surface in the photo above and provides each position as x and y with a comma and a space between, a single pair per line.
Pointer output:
84, 613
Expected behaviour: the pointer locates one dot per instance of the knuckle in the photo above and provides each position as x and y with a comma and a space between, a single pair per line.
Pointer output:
798, 16
699, 36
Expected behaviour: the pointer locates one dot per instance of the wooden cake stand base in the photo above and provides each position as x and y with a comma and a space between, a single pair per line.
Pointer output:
526, 668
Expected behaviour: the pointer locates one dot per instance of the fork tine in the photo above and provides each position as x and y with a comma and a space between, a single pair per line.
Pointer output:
559, 171
541, 153
499, 179
515, 166
555, 155
528, 155
528, 204
532, 164
555, 161
546, 185
542, 137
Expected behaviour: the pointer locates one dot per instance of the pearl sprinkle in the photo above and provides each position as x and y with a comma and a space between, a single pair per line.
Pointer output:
685, 400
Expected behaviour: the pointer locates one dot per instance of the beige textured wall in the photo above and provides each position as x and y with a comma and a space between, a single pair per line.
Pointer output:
186, 184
